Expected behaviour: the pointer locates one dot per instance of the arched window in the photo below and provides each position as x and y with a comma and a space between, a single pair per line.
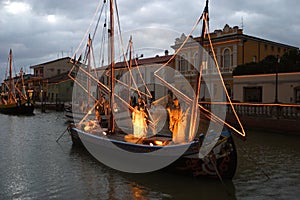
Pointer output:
227, 58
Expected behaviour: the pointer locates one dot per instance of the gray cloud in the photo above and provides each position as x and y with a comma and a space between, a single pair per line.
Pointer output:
39, 31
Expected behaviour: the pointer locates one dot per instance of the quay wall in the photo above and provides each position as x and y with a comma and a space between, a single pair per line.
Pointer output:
280, 119
58, 106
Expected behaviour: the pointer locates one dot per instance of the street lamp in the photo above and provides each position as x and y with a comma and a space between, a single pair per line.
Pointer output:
276, 79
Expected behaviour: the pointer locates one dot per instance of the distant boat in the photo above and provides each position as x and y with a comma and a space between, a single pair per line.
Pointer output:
100, 140
14, 100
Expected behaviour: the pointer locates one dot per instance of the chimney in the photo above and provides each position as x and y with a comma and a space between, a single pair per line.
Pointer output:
166, 52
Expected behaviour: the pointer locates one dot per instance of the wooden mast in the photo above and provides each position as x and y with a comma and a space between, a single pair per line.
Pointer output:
197, 89
11, 83
89, 71
112, 72
130, 66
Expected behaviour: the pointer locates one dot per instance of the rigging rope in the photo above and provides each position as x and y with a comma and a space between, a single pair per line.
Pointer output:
125, 60
87, 31
224, 87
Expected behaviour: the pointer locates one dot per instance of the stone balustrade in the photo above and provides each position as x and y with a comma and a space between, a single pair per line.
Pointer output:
279, 111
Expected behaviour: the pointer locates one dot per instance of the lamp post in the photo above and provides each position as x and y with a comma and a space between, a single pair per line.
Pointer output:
276, 79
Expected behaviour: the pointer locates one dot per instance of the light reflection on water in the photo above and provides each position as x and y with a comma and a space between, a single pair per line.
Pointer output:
34, 166
269, 166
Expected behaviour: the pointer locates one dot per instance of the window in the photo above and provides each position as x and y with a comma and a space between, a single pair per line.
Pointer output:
196, 61
210, 61
58, 71
227, 59
229, 91
297, 95
140, 77
153, 95
253, 94
182, 64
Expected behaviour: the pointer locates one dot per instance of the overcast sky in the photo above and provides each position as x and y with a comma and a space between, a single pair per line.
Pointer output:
43, 30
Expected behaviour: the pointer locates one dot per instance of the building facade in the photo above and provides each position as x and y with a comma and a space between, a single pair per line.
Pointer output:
60, 88
261, 88
52, 68
45, 71
22, 83
232, 48
141, 76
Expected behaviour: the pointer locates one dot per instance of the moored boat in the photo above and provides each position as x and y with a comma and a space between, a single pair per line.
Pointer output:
132, 139
220, 162
15, 100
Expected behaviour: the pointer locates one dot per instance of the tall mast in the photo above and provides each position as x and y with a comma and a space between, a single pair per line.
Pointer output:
198, 83
205, 18
11, 83
112, 72
130, 65
89, 71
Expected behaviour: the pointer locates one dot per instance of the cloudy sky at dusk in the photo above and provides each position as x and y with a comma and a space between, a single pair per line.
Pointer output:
43, 30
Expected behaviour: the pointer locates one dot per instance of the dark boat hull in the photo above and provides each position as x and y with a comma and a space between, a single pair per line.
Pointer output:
25, 108
221, 162
214, 165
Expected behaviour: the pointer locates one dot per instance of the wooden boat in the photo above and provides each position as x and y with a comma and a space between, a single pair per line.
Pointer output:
15, 101
207, 150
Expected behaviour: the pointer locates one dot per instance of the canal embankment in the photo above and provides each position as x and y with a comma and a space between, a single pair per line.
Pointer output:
57, 106
278, 118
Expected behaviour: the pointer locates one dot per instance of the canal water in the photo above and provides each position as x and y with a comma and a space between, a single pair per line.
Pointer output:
34, 166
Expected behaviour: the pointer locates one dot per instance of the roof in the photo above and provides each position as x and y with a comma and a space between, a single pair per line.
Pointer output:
229, 33
25, 77
59, 78
147, 61
64, 60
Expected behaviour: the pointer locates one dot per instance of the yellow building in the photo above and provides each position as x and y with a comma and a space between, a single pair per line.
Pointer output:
232, 48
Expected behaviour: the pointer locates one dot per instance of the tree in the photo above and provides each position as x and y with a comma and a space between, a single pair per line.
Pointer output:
289, 62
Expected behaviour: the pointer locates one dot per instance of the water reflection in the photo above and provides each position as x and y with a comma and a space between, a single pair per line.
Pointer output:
268, 167
34, 166
156, 185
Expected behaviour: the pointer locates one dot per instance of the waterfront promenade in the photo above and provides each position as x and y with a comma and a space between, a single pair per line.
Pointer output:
58, 106
268, 117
